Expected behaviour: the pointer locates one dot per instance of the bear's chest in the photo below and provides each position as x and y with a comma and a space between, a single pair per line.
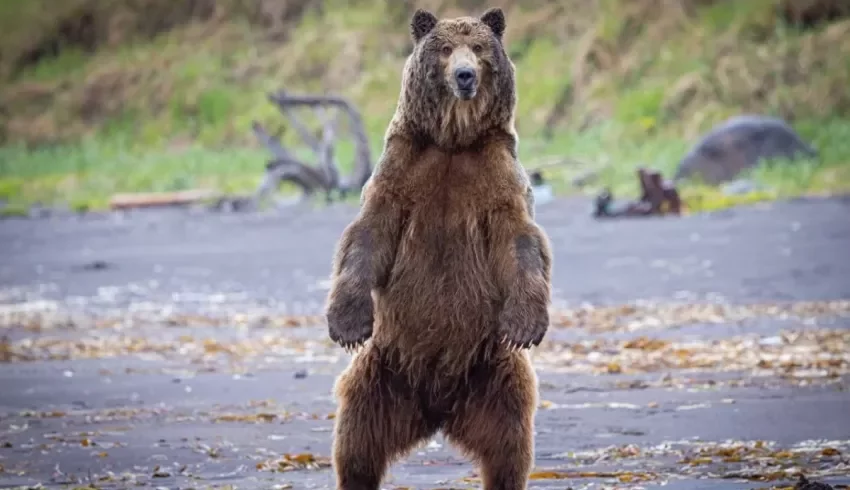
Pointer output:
453, 205
468, 184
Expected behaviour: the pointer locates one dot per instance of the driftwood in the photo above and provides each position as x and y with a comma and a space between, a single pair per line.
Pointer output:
286, 167
658, 197
362, 168
161, 199
325, 148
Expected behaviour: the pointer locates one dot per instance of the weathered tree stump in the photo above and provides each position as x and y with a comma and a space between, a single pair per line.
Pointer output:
658, 197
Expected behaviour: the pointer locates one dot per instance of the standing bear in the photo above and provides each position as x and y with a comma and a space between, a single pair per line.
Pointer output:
443, 277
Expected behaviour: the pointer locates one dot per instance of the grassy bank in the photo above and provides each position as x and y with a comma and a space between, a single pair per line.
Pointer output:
83, 176
614, 83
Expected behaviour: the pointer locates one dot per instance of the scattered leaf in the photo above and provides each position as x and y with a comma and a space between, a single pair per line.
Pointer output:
699, 461
292, 462
549, 475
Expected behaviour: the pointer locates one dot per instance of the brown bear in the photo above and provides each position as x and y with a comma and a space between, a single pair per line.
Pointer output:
447, 262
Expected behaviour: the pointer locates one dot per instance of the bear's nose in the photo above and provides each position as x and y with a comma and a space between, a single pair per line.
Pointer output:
465, 78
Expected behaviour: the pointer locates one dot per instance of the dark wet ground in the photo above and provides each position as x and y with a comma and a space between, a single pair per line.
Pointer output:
115, 375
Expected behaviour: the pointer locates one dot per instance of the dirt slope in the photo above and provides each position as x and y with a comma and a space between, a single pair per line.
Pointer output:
157, 71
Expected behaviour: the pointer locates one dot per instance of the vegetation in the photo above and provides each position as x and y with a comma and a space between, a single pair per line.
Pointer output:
141, 95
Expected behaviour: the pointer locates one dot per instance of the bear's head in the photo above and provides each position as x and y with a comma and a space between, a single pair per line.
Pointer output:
458, 82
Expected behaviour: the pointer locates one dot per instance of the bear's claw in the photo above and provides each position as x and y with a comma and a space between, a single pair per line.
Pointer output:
352, 347
519, 335
350, 321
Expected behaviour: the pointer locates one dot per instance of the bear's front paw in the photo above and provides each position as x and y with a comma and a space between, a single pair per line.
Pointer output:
522, 327
350, 320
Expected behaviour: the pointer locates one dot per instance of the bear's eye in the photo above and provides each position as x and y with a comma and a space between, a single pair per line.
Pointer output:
477, 49
447, 50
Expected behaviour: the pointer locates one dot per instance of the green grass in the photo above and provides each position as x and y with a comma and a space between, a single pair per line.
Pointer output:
84, 176
174, 112
619, 155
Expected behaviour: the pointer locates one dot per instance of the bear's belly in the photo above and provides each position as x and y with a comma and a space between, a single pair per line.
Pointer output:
440, 303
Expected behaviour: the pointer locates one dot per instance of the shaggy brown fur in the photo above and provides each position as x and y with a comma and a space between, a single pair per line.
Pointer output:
446, 259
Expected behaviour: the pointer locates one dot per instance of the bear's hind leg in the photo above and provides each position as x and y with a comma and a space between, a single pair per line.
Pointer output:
378, 420
495, 426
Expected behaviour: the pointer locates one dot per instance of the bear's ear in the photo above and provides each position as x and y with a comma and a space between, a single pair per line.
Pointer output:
421, 24
494, 18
